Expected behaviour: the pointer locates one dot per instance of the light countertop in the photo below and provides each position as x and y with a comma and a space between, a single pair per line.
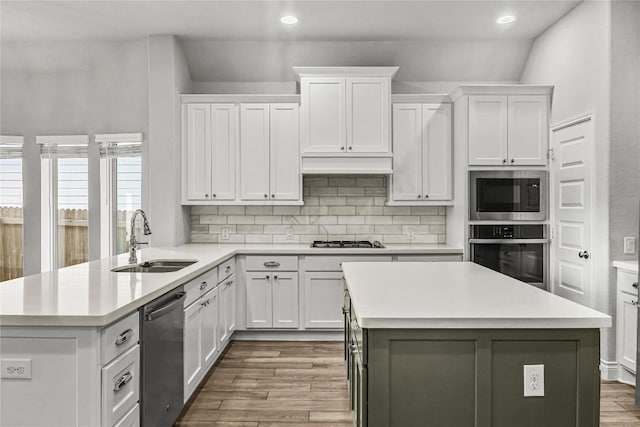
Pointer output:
631, 266
458, 295
90, 294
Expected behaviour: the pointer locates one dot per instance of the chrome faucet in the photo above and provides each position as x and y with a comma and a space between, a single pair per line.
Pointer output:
133, 243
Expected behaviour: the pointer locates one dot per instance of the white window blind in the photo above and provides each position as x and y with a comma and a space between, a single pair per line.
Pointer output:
120, 144
63, 146
11, 147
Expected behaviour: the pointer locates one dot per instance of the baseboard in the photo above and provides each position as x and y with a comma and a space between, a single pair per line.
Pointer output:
288, 336
609, 370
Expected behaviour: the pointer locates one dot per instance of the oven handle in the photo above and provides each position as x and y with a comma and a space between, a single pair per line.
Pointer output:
514, 241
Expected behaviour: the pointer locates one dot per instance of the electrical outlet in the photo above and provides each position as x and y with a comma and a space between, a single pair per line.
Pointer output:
533, 380
411, 235
225, 233
16, 368
289, 233
629, 245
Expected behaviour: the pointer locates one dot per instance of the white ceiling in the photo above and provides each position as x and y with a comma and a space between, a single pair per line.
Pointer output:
320, 20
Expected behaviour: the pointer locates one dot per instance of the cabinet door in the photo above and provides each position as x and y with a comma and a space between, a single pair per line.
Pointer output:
436, 152
228, 307
223, 151
323, 297
528, 130
193, 369
407, 152
210, 308
198, 154
628, 322
284, 141
285, 300
368, 111
323, 128
487, 130
254, 151
259, 301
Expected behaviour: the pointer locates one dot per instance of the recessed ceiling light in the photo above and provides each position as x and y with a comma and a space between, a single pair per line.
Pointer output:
289, 20
506, 19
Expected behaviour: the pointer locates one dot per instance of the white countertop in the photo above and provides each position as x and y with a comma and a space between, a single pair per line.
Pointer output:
90, 294
627, 265
458, 295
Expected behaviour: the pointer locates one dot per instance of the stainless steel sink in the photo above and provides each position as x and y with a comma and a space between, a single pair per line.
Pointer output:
156, 266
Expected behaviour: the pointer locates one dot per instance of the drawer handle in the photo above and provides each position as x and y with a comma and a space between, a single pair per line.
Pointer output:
228, 269
124, 337
203, 285
272, 264
122, 381
634, 303
204, 303
229, 283
635, 285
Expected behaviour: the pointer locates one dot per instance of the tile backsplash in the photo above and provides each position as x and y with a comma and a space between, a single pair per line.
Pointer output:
337, 207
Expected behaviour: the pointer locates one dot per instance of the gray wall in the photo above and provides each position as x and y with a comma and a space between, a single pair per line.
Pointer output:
106, 95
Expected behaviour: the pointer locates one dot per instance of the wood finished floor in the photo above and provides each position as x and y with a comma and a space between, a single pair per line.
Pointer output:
287, 384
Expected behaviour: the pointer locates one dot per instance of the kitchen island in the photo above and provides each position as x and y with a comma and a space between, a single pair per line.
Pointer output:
445, 344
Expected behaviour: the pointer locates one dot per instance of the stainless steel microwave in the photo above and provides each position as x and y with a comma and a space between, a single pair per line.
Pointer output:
508, 195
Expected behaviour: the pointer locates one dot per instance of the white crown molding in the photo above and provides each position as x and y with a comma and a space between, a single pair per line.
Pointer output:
11, 140
104, 138
346, 71
194, 98
421, 98
62, 139
501, 90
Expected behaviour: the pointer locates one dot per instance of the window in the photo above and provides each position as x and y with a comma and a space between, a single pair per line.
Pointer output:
121, 183
11, 217
65, 200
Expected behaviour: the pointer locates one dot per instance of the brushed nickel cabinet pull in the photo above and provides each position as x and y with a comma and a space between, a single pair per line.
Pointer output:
124, 337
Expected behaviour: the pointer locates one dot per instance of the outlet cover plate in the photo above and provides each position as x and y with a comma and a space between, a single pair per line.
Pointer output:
629, 245
533, 380
16, 368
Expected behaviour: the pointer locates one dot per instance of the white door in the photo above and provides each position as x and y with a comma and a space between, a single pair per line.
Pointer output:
193, 369
407, 152
198, 151
254, 151
285, 300
436, 152
628, 320
571, 182
368, 112
223, 151
322, 114
259, 300
210, 313
284, 142
528, 126
323, 297
487, 130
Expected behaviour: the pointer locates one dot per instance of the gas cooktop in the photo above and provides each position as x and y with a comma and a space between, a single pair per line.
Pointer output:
346, 244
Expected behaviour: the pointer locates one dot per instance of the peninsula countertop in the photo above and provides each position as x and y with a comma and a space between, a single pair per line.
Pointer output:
90, 294
460, 295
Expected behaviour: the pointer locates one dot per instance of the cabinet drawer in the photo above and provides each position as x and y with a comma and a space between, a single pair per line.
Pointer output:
226, 269
333, 262
132, 419
275, 263
200, 285
626, 281
119, 337
120, 386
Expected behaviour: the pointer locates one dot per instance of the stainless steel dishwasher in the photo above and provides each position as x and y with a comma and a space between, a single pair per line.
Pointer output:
161, 337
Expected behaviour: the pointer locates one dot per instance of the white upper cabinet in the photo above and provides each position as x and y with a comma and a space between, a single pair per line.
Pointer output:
422, 144
198, 151
210, 167
345, 110
528, 125
285, 152
487, 130
368, 114
323, 118
510, 130
254, 151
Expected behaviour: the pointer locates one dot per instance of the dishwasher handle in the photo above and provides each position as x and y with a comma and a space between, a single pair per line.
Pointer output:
165, 308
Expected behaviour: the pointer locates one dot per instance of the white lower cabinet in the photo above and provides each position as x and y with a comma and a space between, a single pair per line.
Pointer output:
323, 298
120, 392
131, 419
272, 299
210, 326
627, 324
227, 309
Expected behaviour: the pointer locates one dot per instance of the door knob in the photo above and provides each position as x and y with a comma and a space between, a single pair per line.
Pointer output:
583, 254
